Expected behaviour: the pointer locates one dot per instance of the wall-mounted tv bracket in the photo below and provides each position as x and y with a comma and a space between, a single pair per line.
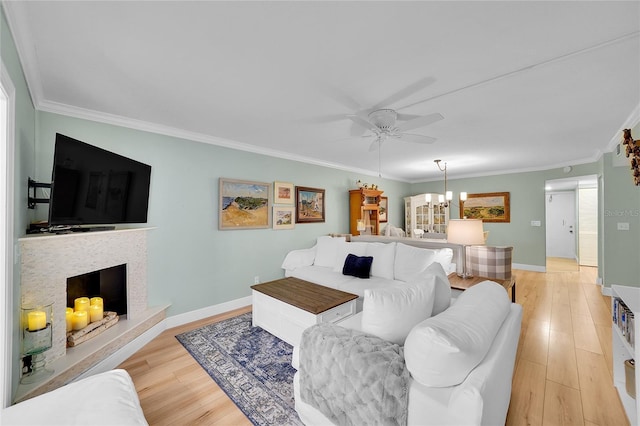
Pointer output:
32, 201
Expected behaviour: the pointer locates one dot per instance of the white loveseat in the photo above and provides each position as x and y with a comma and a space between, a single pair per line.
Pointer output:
460, 360
394, 264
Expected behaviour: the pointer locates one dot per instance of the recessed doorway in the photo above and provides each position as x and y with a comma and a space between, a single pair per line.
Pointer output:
571, 213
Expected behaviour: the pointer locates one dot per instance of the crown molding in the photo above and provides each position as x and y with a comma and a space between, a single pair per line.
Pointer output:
629, 123
116, 120
15, 13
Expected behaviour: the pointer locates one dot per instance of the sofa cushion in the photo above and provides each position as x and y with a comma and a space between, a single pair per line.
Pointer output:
358, 266
390, 313
326, 248
343, 249
442, 350
383, 258
410, 261
324, 276
442, 297
444, 256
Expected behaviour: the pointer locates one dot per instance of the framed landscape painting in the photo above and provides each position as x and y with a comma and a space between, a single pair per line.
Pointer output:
244, 204
283, 193
309, 205
490, 207
384, 205
283, 217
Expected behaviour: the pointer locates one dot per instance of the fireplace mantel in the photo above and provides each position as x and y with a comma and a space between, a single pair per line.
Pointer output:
46, 263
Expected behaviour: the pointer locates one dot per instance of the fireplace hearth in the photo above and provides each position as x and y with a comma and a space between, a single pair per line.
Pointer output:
48, 261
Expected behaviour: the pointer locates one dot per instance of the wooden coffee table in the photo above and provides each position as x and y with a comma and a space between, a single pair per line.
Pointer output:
460, 283
286, 307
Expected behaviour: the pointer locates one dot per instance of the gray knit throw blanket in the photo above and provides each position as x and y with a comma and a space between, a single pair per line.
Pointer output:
353, 378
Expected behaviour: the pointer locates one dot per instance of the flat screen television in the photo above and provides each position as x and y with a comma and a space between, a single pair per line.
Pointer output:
93, 186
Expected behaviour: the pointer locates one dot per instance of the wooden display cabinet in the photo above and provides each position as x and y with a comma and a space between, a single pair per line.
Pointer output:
424, 212
364, 204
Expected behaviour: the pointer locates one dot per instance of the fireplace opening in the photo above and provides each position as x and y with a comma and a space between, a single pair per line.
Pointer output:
108, 283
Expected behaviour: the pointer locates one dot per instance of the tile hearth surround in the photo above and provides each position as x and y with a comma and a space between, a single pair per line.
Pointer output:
48, 260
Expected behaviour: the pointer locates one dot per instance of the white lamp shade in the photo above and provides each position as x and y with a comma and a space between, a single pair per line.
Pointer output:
449, 195
427, 198
440, 198
465, 231
463, 196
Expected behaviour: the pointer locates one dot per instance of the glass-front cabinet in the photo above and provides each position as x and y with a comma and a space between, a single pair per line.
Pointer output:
425, 215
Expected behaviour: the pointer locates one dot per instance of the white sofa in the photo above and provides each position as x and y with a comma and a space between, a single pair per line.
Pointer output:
460, 361
394, 264
107, 399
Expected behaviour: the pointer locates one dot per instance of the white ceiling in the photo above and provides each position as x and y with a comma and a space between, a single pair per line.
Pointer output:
521, 85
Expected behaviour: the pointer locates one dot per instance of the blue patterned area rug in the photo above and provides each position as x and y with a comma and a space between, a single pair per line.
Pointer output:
252, 366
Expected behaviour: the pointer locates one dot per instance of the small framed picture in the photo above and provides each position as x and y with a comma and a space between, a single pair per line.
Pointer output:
309, 205
283, 217
383, 208
283, 193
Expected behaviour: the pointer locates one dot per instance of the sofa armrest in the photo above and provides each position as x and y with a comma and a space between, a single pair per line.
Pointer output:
108, 398
485, 394
299, 258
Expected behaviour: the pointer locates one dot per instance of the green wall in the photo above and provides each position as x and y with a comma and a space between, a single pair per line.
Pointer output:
620, 204
191, 263
24, 166
526, 193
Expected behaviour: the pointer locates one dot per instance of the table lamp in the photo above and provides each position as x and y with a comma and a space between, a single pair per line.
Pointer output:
466, 232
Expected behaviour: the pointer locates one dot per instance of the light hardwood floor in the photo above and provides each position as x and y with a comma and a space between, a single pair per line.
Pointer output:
562, 376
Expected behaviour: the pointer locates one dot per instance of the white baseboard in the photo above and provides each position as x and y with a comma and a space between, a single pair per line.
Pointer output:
209, 311
534, 268
122, 354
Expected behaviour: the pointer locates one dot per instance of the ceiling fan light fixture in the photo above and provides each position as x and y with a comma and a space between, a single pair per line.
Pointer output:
384, 119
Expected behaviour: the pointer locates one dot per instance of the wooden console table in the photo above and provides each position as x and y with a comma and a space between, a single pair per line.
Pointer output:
460, 283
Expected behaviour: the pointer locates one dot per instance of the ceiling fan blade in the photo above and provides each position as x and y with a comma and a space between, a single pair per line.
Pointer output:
410, 137
375, 145
407, 117
407, 91
420, 122
361, 122
342, 98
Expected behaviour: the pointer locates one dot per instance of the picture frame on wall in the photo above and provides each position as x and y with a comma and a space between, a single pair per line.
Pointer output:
283, 217
489, 206
244, 204
283, 193
310, 206
383, 209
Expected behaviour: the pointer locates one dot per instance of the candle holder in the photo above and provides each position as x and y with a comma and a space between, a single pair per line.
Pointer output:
37, 335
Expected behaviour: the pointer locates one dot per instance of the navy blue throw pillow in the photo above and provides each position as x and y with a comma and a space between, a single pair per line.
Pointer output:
358, 266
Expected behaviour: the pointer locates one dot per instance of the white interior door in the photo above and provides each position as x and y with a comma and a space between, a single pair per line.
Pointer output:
588, 226
561, 224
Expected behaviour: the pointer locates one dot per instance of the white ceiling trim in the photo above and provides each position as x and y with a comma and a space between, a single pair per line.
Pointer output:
116, 120
630, 122
23, 41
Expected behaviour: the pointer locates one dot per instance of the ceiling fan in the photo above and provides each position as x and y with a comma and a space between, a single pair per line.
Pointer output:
382, 124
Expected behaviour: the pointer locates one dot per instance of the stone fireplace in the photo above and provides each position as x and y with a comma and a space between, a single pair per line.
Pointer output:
47, 261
